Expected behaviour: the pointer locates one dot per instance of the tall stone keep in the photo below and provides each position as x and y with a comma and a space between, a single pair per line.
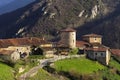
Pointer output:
68, 37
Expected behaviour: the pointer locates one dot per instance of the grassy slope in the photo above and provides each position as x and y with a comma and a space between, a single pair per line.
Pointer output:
81, 66
115, 64
110, 73
87, 67
6, 72
43, 75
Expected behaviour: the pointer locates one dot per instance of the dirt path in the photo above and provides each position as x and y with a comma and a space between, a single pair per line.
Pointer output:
43, 63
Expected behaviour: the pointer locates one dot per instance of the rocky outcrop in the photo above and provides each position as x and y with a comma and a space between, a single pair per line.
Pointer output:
94, 12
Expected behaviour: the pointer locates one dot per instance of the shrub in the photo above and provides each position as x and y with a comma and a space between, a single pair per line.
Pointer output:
74, 51
36, 50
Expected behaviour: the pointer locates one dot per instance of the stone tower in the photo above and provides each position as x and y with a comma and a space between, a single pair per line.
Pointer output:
68, 37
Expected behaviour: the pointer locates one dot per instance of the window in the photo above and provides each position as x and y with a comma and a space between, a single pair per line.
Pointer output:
96, 54
101, 54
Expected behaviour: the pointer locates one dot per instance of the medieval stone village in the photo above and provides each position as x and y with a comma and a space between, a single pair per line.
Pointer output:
91, 46
60, 40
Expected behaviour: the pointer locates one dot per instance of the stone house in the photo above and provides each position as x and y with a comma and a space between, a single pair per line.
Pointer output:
94, 49
9, 55
92, 38
61, 48
49, 51
22, 46
102, 55
22, 50
81, 45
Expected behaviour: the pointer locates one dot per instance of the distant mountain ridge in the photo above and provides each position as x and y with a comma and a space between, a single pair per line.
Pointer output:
13, 5
5, 2
47, 17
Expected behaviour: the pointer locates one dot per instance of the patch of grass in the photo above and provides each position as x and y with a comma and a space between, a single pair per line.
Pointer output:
6, 72
26, 64
36, 57
109, 74
43, 75
115, 64
79, 65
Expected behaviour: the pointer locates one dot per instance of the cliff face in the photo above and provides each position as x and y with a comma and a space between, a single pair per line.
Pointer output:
47, 17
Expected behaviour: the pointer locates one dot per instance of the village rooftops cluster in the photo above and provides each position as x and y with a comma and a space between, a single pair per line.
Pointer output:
91, 45
4, 43
16, 48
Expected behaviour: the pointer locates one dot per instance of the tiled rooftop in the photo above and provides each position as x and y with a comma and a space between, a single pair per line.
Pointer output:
97, 49
21, 41
6, 52
81, 43
115, 51
68, 30
92, 35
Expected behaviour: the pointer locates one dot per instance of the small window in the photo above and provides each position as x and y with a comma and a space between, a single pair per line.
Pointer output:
101, 54
96, 54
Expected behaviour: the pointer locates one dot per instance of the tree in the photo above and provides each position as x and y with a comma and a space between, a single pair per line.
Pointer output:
36, 50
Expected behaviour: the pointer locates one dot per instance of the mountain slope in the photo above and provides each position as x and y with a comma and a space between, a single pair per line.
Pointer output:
47, 17
108, 26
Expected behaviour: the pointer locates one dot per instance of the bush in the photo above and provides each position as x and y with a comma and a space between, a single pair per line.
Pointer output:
74, 51
36, 50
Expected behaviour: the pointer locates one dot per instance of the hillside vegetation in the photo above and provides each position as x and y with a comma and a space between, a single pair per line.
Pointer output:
78, 66
6, 72
84, 69
44, 75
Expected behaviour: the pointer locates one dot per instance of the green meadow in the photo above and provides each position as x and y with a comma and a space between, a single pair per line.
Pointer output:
43, 75
6, 72
78, 65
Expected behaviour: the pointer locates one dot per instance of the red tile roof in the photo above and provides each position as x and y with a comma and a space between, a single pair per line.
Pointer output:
21, 41
68, 30
61, 44
6, 52
115, 51
81, 43
92, 35
97, 49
